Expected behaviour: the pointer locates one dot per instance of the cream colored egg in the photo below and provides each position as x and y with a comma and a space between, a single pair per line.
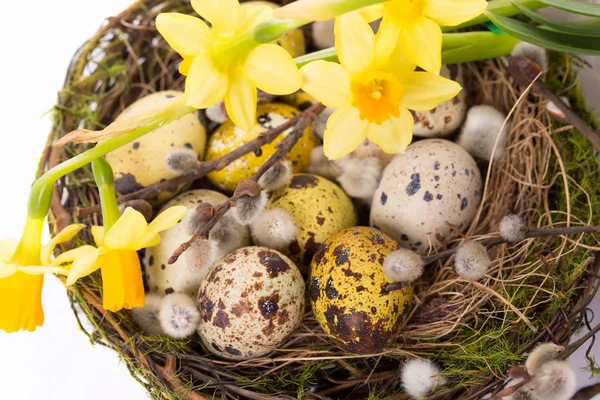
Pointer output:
448, 116
425, 192
165, 278
141, 163
250, 303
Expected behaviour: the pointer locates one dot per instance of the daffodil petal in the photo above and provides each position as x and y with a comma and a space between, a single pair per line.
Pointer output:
272, 69
328, 82
424, 91
83, 266
185, 34
7, 270
21, 299
98, 235
394, 135
386, 41
66, 234
7, 249
240, 100
222, 14
185, 65
355, 42
252, 15
72, 255
148, 241
206, 85
453, 12
345, 131
162, 222
422, 42
127, 231
371, 13
43, 269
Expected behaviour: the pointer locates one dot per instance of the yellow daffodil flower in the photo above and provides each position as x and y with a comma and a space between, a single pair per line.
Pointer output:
225, 63
116, 256
372, 89
21, 280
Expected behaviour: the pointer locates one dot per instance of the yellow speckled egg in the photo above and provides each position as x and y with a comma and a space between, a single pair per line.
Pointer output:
141, 163
319, 208
229, 137
293, 41
346, 288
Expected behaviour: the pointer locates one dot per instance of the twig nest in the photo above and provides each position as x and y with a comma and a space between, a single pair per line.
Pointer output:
188, 271
513, 228
228, 137
471, 261
178, 315
555, 380
250, 302
345, 289
139, 163
433, 185
318, 207
445, 118
146, 317
421, 377
542, 354
484, 133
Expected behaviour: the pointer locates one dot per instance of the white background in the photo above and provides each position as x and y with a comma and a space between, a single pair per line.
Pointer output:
38, 40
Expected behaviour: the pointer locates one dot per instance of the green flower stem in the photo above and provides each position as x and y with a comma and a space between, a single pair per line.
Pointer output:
329, 54
28, 250
103, 175
272, 29
499, 7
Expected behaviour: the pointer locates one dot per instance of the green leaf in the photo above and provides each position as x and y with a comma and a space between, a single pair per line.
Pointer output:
575, 6
547, 39
592, 28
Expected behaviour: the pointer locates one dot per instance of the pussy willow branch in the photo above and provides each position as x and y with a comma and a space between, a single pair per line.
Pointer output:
283, 148
206, 167
496, 240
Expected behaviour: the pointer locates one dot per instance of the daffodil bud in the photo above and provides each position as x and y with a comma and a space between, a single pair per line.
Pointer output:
403, 265
274, 228
181, 161
359, 177
555, 380
420, 377
147, 317
276, 176
513, 228
532, 52
471, 261
482, 129
178, 315
542, 353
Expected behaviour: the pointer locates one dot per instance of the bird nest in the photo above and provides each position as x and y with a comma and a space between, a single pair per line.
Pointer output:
536, 290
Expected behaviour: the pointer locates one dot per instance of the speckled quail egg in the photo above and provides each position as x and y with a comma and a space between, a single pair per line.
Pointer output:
140, 163
447, 116
186, 274
318, 207
293, 40
434, 186
229, 137
347, 290
250, 303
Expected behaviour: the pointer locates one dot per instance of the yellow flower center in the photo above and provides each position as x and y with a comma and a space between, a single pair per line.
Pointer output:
377, 96
404, 10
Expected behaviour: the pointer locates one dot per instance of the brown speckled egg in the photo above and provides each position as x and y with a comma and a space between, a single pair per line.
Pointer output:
433, 185
250, 302
229, 137
319, 208
141, 162
347, 290
447, 116
165, 278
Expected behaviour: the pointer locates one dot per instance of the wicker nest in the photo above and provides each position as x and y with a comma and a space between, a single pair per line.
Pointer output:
537, 290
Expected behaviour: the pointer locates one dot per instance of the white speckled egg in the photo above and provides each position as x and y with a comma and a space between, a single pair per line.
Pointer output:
447, 116
165, 278
250, 302
433, 185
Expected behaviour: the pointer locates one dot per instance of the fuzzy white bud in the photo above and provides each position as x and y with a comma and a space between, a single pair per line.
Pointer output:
532, 52
520, 394
555, 111
275, 228
181, 161
322, 33
178, 315
555, 380
248, 208
403, 265
322, 166
471, 261
229, 234
513, 228
202, 254
360, 177
542, 353
217, 113
481, 129
420, 377
320, 123
147, 317
276, 177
